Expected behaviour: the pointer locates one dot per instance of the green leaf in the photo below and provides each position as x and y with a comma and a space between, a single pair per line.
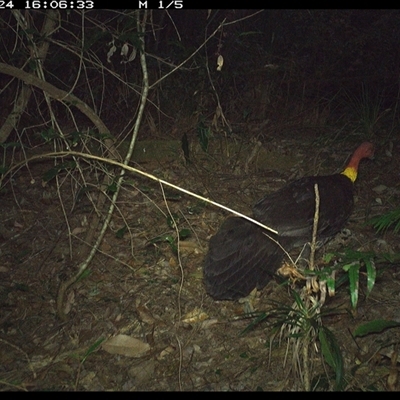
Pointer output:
143, 188
97, 35
92, 349
332, 355
385, 221
76, 137
203, 134
121, 232
328, 257
299, 302
375, 326
22, 287
173, 196
172, 221
185, 147
197, 208
331, 283
163, 238
351, 255
184, 233
354, 273
259, 318
49, 134
81, 192
50, 174
10, 144
166, 238
53, 172
112, 188
371, 274
84, 275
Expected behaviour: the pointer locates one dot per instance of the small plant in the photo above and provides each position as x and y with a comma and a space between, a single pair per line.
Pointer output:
306, 333
170, 238
386, 221
203, 133
301, 324
367, 108
94, 347
351, 262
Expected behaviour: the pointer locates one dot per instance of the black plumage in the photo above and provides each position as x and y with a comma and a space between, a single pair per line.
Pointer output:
243, 256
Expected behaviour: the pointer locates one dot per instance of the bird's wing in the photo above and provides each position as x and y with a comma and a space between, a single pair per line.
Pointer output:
291, 209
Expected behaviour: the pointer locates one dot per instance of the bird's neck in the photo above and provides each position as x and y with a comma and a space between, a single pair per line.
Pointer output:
363, 151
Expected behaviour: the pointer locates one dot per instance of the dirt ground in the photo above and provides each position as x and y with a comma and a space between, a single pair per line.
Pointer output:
168, 334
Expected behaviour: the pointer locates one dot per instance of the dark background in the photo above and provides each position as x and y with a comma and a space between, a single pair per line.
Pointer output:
288, 69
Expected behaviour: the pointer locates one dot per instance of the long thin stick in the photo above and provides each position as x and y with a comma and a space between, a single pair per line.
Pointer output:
315, 229
137, 171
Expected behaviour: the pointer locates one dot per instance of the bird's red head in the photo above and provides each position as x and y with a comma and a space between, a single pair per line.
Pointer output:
365, 150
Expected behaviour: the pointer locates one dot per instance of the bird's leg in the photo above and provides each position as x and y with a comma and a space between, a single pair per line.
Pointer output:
248, 301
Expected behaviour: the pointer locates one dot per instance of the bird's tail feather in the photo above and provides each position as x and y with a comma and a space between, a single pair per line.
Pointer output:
240, 258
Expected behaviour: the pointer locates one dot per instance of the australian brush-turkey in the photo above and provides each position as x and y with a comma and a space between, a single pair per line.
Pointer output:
241, 257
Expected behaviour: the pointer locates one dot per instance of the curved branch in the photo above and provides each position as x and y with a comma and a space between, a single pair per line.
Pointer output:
62, 96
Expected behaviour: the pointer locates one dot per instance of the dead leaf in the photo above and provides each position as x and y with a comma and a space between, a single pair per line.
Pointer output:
188, 247
142, 372
393, 374
70, 301
172, 262
379, 189
145, 315
166, 352
106, 247
78, 230
196, 315
18, 225
127, 346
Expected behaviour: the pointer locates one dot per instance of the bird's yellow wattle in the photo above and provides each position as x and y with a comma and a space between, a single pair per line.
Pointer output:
351, 173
